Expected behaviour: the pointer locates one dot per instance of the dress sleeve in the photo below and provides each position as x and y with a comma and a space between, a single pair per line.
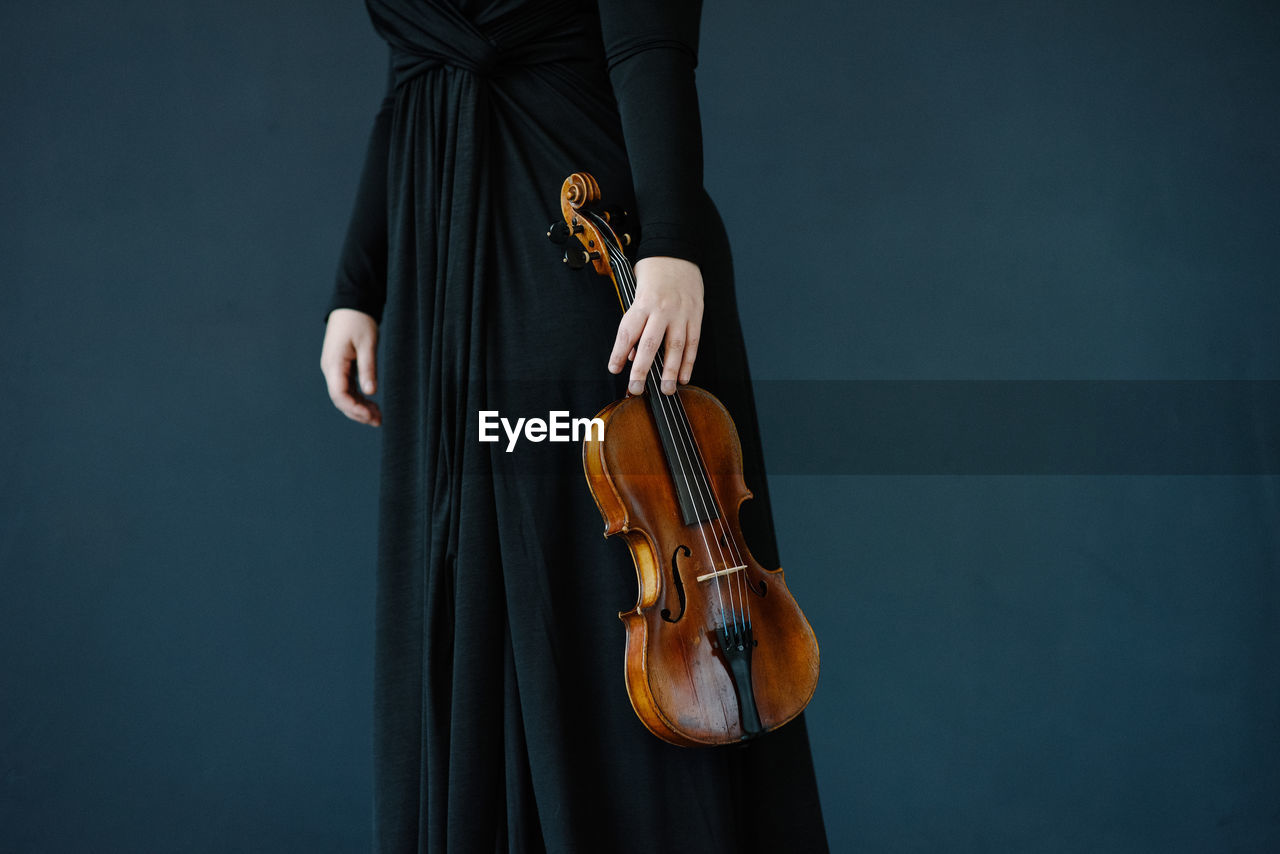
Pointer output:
361, 281
652, 49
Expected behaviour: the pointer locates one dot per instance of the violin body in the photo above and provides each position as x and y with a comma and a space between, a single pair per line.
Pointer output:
677, 677
717, 649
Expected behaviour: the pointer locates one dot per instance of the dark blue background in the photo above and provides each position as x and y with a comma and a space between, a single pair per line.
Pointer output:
915, 191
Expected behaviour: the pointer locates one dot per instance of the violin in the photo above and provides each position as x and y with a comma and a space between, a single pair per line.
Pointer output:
717, 650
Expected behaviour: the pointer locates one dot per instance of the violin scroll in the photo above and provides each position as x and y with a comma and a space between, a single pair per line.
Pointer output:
593, 229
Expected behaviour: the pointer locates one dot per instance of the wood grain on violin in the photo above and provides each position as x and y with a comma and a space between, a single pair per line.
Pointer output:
717, 649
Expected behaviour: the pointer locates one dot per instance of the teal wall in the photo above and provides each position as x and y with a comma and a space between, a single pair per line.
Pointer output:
1053, 648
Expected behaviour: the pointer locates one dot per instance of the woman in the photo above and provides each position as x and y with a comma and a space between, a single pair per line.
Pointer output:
501, 722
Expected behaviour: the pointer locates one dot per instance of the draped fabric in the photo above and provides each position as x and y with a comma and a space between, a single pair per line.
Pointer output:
501, 717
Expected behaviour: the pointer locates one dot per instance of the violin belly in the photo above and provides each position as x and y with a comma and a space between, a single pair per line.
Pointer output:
681, 685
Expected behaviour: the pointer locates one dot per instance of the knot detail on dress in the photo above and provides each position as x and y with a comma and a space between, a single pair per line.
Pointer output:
434, 34
486, 61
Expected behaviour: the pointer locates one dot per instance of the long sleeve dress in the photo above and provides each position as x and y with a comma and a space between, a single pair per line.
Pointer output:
501, 718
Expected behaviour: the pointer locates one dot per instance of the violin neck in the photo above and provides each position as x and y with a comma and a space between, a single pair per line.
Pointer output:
623, 274
670, 419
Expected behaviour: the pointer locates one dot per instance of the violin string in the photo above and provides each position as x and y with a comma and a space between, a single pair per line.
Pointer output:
628, 288
739, 581
704, 494
720, 525
731, 541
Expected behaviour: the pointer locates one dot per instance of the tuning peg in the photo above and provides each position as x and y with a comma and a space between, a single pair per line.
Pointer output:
614, 214
558, 232
579, 258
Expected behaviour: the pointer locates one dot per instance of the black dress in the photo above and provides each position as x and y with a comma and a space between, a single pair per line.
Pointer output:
501, 717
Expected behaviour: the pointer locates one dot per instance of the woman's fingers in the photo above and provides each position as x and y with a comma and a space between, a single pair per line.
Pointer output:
337, 379
690, 353
672, 359
367, 411
677, 358
667, 308
348, 362
694, 333
646, 349
629, 330
340, 379
367, 359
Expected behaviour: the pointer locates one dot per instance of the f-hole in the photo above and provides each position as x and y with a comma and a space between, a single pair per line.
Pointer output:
675, 575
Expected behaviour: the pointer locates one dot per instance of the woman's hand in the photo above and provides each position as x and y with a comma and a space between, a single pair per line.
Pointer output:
351, 336
667, 305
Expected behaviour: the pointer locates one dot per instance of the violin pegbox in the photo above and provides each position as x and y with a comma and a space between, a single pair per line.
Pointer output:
584, 232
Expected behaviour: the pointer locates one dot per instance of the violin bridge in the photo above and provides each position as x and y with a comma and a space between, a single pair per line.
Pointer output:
718, 573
